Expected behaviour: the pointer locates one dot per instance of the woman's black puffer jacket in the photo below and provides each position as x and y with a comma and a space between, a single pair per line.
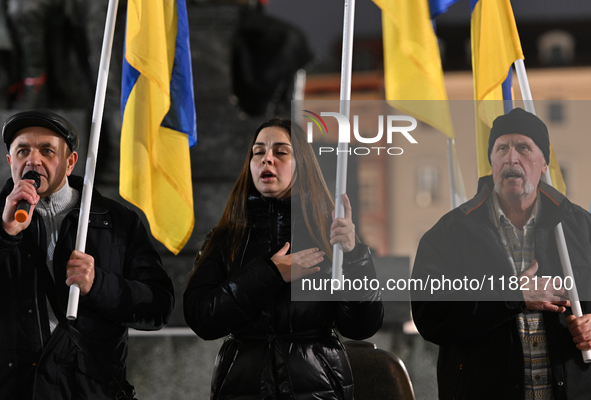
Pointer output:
277, 348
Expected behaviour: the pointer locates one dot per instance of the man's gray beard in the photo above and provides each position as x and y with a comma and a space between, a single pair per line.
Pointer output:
527, 190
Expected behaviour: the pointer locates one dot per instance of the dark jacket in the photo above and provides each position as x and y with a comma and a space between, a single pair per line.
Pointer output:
130, 290
480, 353
277, 348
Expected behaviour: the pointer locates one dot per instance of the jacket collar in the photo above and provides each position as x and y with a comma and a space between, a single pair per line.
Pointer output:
256, 203
554, 204
97, 204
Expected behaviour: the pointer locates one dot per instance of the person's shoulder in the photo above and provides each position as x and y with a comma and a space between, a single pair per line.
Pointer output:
552, 198
469, 216
579, 213
447, 222
117, 208
472, 209
99, 201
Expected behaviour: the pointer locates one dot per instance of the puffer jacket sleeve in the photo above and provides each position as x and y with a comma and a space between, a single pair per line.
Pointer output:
215, 305
360, 314
137, 293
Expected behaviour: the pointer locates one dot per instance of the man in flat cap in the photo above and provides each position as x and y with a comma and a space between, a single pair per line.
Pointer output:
122, 282
511, 333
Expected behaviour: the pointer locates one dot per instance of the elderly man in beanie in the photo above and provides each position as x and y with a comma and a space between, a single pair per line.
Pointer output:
122, 282
518, 340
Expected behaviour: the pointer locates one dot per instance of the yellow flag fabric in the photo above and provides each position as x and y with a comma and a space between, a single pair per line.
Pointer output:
555, 172
495, 47
412, 64
155, 163
414, 77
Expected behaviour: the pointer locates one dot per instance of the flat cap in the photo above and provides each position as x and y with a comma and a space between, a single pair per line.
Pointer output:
45, 119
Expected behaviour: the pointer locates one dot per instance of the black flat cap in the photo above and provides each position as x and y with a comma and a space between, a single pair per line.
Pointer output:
45, 119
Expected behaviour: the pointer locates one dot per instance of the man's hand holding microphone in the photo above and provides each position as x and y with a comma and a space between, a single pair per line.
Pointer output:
20, 203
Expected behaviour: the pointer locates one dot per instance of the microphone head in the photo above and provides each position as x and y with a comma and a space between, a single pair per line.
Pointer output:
33, 175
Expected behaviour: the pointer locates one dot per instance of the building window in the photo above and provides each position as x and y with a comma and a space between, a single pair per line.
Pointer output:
442, 47
556, 112
556, 48
468, 51
368, 189
427, 186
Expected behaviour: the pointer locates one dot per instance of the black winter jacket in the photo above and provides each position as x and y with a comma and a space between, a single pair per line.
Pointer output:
480, 353
130, 290
277, 348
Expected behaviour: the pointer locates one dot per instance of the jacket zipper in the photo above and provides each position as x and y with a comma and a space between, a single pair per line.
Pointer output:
334, 381
37, 310
35, 284
245, 246
274, 237
34, 392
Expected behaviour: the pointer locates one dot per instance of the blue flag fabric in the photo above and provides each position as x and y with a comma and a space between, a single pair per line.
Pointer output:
437, 7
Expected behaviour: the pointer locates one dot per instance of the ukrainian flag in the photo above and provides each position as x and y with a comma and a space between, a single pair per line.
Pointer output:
413, 75
159, 122
412, 64
495, 47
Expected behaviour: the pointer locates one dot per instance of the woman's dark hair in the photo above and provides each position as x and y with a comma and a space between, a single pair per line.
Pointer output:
307, 183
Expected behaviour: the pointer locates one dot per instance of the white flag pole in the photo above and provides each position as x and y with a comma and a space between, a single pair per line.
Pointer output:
567, 269
456, 185
95, 133
452, 181
299, 92
343, 148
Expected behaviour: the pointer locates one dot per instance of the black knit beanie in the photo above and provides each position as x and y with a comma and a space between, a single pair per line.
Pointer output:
524, 123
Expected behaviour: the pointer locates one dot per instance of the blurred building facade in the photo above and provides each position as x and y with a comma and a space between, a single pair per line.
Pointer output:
402, 197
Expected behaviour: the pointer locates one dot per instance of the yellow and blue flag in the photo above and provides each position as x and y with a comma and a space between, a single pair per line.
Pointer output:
495, 47
413, 73
412, 64
159, 122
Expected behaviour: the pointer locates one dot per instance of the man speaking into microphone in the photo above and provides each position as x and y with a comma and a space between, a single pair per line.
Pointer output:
122, 282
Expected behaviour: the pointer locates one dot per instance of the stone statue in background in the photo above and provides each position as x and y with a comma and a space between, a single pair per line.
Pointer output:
52, 57
6, 49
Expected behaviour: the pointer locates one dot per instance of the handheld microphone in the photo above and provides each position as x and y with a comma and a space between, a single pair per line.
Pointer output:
22, 208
